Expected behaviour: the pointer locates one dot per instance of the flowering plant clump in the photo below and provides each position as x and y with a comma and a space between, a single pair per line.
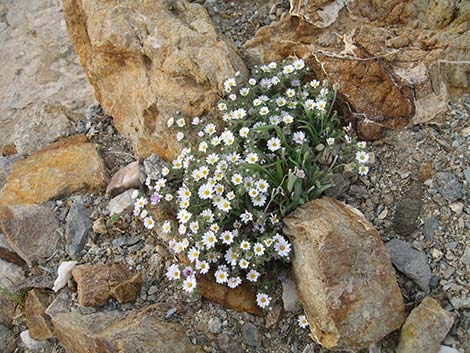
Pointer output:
275, 148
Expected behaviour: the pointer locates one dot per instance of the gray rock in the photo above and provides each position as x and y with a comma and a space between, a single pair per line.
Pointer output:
430, 226
126, 178
341, 187
121, 203
77, 228
170, 313
309, 348
449, 186
445, 349
408, 211
4, 333
123, 241
251, 335
290, 298
466, 174
153, 166
5, 167
358, 192
465, 259
31, 343
214, 325
411, 262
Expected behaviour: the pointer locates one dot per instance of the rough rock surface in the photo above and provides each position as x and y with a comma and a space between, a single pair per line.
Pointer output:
242, 298
121, 203
425, 328
411, 262
345, 279
30, 231
10, 276
116, 331
126, 178
38, 322
149, 60
396, 61
44, 88
98, 283
77, 227
67, 166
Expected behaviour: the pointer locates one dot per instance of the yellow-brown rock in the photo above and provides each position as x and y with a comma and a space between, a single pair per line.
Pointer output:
70, 165
141, 331
96, 284
39, 325
425, 328
396, 61
148, 60
344, 276
242, 298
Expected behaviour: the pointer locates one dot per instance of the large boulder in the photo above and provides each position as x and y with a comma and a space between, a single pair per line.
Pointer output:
44, 88
141, 331
396, 61
67, 166
345, 279
149, 60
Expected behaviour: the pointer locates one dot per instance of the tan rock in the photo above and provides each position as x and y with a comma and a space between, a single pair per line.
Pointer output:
44, 88
30, 231
387, 77
242, 298
96, 284
149, 60
126, 178
425, 328
39, 325
67, 166
345, 279
141, 331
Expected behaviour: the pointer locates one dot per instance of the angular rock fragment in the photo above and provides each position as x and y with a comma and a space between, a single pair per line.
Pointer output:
126, 178
121, 203
138, 331
39, 325
425, 328
78, 226
345, 279
411, 262
30, 231
96, 284
70, 165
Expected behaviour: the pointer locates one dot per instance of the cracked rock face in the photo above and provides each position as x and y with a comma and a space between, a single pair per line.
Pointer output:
345, 279
149, 60
396, 61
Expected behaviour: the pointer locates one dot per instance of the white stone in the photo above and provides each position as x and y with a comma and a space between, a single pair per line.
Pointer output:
64, 273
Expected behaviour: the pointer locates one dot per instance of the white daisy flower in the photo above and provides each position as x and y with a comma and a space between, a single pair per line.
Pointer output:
362, 144
210, 129
205, 191
262, 185
288, 119
231, 82
282, 247
179, 136
330, 141
212, 158
252, 81
234, 282
231, 257
194, 226
244, 245
363, 169
275, 80
362, 157
310, 104
221, 276
252, 158
264, 110
204, 170
207, 215
281, 101
260, 200
141, 202
268, 242
193, 254
215, 141
135, 194
227, 237
258, 248
321, 105
230, 195
263, 300
298, 64
189, 284
299, 137
224, 205
272, 65
196, 120
227, 137
173, 272
244, 91
265, 83
292, 105
202, 266
149, 223
209, 239
183, 216
170, 122
246, 217
257, 102
232, 97
314, 83
243, 264
248, 183
203, 147
166, 227
253, 193
244, 132
274, 144
252, 276
302, 320
290, 92
288, 69
239, 114
274, 120
181, 122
